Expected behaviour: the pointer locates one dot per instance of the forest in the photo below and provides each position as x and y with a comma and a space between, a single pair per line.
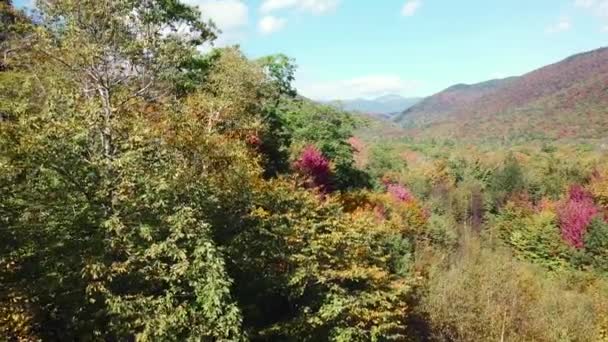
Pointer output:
151, 190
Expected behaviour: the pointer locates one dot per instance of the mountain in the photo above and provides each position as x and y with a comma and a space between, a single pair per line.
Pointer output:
388, 105
456, 97
568, 99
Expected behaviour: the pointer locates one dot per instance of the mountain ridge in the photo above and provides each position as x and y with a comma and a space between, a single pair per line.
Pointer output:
456, 96
548, 102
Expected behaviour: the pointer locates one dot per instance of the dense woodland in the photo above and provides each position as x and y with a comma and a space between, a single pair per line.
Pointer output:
150, 191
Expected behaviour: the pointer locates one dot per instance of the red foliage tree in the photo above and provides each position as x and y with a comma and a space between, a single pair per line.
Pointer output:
575, 214
315, 167
399, 192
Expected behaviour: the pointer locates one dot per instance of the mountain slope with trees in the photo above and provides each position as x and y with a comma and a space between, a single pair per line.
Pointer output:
565, 100
454, 98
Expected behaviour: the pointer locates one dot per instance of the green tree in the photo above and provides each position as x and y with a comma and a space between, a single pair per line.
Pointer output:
595, 252
384, 160
108, 226
507, 180
280, 93
533, 236
328, 129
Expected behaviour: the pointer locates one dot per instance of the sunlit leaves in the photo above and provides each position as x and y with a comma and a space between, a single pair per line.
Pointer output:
336, 270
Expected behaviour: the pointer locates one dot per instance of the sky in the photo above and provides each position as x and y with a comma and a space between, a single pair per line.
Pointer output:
348, 49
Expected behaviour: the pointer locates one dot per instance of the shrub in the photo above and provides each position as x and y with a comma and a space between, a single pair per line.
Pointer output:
487, 296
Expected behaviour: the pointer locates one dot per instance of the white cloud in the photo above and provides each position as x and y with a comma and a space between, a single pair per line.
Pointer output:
598, 8
270, 24
584, 3
313, 6
226, 14
320, 6
230, 16
602, 9
275, 5
370, 86
564, 24
411, 7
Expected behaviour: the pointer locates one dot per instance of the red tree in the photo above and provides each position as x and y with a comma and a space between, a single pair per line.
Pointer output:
313, 165
399, 192
575, 214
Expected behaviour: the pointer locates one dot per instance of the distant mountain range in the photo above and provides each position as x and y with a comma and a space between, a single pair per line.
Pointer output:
568, 99
386, 106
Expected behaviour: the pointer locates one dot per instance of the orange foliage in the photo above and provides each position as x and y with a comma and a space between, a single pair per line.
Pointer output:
409, 216
411, 157
598, 186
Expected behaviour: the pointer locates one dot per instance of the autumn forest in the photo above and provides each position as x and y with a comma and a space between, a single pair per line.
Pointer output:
151, 190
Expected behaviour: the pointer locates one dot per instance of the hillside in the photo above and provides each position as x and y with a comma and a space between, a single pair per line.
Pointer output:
386, 106
567, 99
456, 97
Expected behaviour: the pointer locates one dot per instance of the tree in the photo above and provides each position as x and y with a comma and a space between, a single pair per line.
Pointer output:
328, 272
384, 160
329, 129
575, 214
598, 186
507, 180
9, 16
280, 71
131, 48
596, 245
315, 167
106, 191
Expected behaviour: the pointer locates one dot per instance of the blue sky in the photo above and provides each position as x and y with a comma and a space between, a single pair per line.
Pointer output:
364, 48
